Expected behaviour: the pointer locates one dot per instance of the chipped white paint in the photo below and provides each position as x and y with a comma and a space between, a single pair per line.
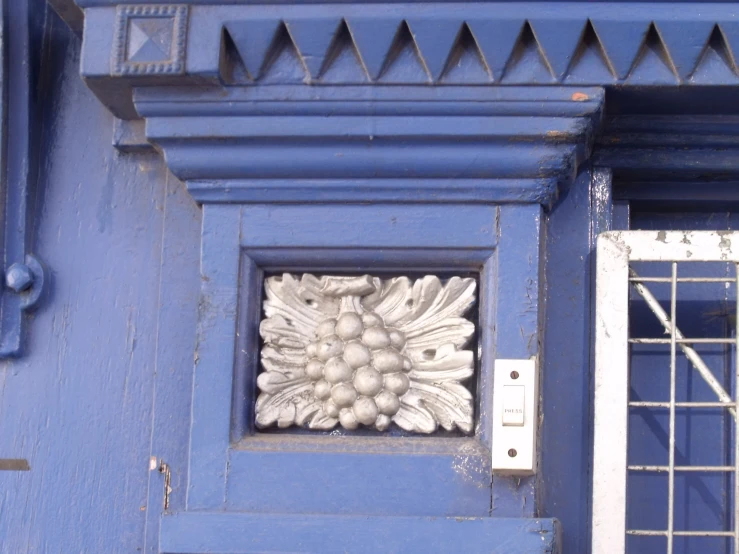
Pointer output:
366, 351
615, 250
611, 396
514, 438
686, 246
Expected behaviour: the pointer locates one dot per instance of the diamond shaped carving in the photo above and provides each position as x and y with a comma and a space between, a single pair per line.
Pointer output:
150, 40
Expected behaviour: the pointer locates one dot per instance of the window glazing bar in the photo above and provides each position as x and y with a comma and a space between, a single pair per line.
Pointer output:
665, 469
645, 404
689, 352
673, 394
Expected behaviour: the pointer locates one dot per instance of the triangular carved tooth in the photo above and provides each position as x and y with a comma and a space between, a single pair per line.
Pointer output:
653, 65
621, 41
403, 63
282, 63
496, 40
684, 42
730, 34
313, 39
716, 63
466, 64
527, 63
435, 39
373, 39
253, 40
589, 64
342, 61
558, 40
233, 68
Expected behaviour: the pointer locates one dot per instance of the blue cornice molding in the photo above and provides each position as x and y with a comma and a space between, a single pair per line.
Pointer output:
671, 147
407, 101
445, 44
349, 144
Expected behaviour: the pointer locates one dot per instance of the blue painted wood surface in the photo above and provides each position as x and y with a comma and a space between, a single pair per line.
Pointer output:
344, 145
251, 533
106, 392
370, 228
79, 406
566, 430
214, 357
334, 474
443, 43
316, 191
177, 310
517, 328
371, 476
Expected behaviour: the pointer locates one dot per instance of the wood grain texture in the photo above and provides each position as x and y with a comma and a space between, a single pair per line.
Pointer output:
177, 310
79, 407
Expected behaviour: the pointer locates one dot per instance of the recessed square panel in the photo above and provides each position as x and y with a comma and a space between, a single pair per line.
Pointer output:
150, 40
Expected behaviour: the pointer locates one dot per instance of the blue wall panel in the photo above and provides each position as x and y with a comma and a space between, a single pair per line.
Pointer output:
78, 407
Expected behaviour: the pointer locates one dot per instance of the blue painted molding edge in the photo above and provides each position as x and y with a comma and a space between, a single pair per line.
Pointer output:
670, 147
410, 144
415, 43
680, 160
242, 533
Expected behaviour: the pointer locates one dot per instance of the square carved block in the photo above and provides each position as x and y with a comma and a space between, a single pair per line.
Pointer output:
366, 351
150, 40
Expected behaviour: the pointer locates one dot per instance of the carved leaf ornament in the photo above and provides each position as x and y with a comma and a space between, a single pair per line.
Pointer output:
366, 351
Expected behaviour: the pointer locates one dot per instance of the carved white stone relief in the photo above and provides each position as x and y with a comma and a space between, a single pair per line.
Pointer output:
366, 351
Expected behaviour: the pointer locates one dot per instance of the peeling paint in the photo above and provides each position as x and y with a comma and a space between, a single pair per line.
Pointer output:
472, 471
472, 464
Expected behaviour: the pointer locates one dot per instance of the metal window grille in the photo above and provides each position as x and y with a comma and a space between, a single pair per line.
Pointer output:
683, 254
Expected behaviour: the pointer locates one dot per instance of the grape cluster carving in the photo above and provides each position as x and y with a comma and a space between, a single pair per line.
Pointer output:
360, 351
358, 369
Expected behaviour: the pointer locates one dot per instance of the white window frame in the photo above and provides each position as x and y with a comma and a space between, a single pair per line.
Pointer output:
615, 251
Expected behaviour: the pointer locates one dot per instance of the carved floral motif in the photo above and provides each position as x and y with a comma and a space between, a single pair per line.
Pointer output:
366, 351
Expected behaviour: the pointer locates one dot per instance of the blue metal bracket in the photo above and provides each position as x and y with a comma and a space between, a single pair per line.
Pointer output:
24, 274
